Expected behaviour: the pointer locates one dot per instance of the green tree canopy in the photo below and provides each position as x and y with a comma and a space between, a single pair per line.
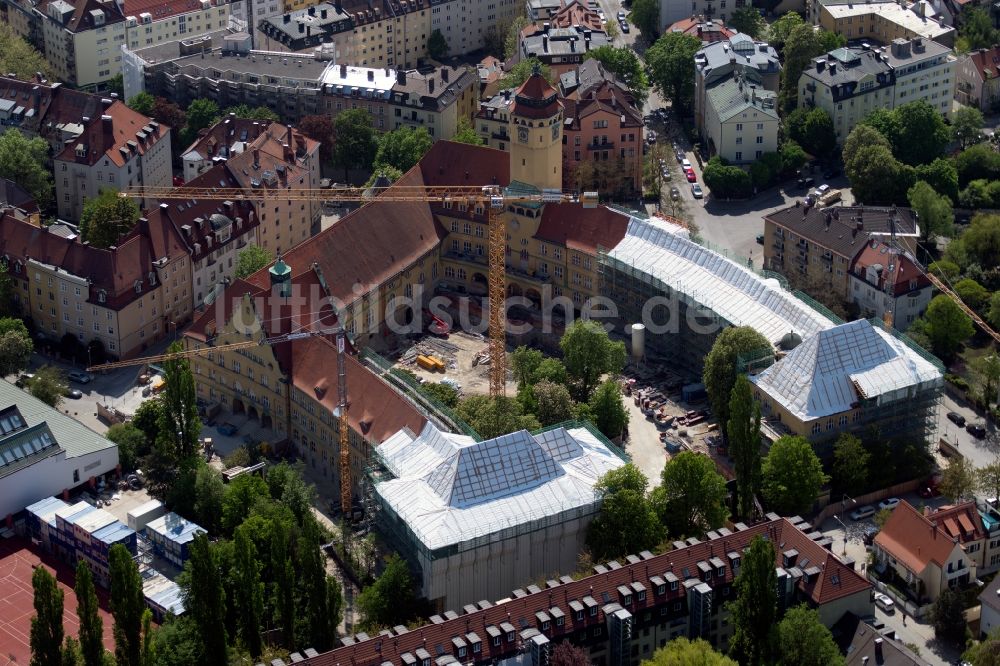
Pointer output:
792, 475
923, 133
861, 136
209, 494
967, 126
249, 591
948, 617
941, 175
437, 45
15, 346
607, 409
976, 29
743, 433
982, 240
975, 295
520, 73
977, 162
201, 113
850, 464
947, 326
804, 641
627, 67
755, 610
249, 112
685, 652
725, 181
554, 403
986, 652
588, 354
356, 144
131, 442
492, 417
877, 177
467, 134
390, 599
107, 217
627, 522
48, 385
402, 148
205, 599
691, 500
443, 393
792, 157
723, 364
241, 495
934, 210
46, 636
988, 479
179, 423
251, 259
958, 479
779, 31
127, 605
812, 129
671, 67
645, 15
143, 103
88, 612
749, 21
802, 44
24, 160
18, 57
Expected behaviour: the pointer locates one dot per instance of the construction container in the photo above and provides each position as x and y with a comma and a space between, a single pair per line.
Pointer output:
171, 535
41, 520
140, 516
439, 365
426, 362
163, 596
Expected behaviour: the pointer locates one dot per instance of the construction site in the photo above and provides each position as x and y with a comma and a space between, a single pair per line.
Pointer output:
460, 361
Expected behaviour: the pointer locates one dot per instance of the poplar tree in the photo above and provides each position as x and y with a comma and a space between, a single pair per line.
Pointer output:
47, 625
743, 430
127, 606
755, 610
91, 624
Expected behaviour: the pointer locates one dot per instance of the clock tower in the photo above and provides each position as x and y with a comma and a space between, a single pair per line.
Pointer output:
536, 118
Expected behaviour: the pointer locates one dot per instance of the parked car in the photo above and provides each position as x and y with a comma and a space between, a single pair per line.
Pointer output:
675, 193
977, 430
621, 15
690, 176
806, 182
696, 191
74, 394
862, 512
888, 503
822, 189
885, 603
624, 25
80, 377
760, 239
957, 419
685, 163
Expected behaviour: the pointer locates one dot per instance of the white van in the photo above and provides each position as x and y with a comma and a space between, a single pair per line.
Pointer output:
863, 512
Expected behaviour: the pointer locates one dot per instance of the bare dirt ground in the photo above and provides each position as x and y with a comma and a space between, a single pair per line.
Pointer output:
459, 352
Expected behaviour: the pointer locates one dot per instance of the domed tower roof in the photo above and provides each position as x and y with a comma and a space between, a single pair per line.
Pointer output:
790, 341
536, 98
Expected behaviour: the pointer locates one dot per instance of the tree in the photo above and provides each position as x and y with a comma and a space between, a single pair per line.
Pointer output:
18, 57
554, 403
402, 148
209, 494
941, 175
70, 654
205, 600
792, 475
645, 15
627, 522
881, 517
23, 161
812, 129
850, 464
7, 305
982, 239
389, 600
320, 128
749, 21
685, 652
15, 346
47, 623
143, 103
249, 599
967, 126
312, 625
48, 385
251, 259
627, 67
567, 654
334, 607
170, 114
978, 162
283, 581
863, 135
973, 294
249, 113
107, 217
948, 617
792, 157
671, 66
755, 609
147, 418
993, 316
779, 31
988, 479
934, 211
958, 479
608, 411
356, 144
986, 652
466, 133
743, 434
127, 606
922, 133
588, 354
723, 364
437, 45
804, 641
976, 29
520, 73
443, 393
91, 625
201, 113
382, 173
691, 499
802, 44
241, 494
179, 423
947, 326
148, 651
492, 417
877, 177
131, 443
177, 642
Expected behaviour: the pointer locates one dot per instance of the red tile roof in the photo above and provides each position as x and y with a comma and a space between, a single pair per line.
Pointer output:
878, 253
576, 14
161, 9
584, 229
986, 62
536, 98
707, 31
961, 521
829, 579
119, 138
220, 137
914, 540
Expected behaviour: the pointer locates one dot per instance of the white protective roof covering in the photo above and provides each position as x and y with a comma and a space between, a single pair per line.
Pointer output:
450, 488
731, 291
834, 369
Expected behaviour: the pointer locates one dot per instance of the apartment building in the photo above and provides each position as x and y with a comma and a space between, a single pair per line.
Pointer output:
977, 79
219, 142
149, 22
816, 247
741, 119
82, 40
882, 22
120, 150
707, 30
721, 60
672, 11
574, 13
930, 553
213, 233
562, 49
882, 281
126, 298
624, 611
850, 83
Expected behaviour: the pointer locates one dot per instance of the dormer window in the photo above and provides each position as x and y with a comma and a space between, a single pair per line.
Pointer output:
152, 279
138, 286
102, 296
17, 266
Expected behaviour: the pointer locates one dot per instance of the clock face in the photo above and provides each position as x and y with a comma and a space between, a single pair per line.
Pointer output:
522, 133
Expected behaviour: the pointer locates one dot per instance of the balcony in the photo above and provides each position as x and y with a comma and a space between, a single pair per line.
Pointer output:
601, 146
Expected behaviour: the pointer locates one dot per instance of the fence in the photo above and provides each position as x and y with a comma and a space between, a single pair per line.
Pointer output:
835, 506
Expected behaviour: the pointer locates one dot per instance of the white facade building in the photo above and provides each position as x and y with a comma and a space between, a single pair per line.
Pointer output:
741, 120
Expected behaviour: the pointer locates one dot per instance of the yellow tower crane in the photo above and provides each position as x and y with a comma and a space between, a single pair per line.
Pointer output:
492, 198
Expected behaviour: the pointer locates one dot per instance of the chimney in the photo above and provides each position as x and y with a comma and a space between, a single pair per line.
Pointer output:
287, 18
312, 11
256, 158
430, 85
864, 661
105, 102
878, 650
401, 77
545, 43
820, 64
545, 28
444, 75
108, 124
337, 4
371, 74
322, 13
287, 154
302, 28
343, 71
309, 31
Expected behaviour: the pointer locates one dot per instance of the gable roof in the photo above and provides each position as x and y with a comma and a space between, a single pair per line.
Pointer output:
584, 229
844, 230
986, 62
961, 521
914, 540
877, 254
118, 135
707, 30
869, 648
229, 136
991, 595
834, 370
733, 95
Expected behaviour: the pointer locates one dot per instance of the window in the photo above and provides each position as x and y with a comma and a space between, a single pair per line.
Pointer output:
739, 156
496, 641
760, 139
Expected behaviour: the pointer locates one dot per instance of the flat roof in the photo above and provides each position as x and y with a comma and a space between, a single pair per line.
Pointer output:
175, 528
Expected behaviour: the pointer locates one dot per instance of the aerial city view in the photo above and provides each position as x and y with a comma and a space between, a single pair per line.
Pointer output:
499, 332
